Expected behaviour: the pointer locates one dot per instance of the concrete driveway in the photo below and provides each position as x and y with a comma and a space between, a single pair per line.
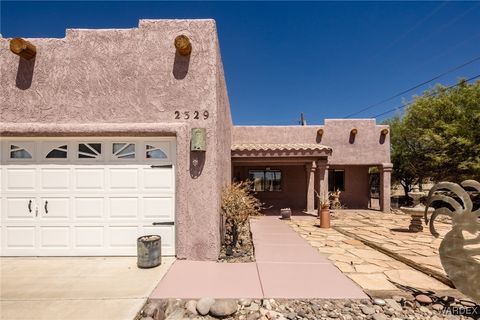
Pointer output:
75, 288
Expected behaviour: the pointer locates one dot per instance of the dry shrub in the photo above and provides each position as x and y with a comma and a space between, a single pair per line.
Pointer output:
238, 203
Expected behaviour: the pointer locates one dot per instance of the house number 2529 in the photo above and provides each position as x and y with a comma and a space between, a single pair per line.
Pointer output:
192, 115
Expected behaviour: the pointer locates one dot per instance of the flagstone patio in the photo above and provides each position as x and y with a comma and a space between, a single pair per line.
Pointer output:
389, 232
369, 268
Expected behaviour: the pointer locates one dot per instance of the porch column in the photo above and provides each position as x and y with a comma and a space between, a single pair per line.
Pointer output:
310, 179
322, 176
385, 178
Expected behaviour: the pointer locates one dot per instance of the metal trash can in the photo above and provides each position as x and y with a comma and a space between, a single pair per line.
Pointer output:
149, 251
286, 213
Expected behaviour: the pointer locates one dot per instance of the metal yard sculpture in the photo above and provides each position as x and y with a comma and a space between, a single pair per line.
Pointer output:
461, 244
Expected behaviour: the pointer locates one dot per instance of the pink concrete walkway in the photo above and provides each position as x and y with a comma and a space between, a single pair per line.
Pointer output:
286, 267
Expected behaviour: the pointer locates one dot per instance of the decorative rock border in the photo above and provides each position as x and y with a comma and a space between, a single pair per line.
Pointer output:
396, 308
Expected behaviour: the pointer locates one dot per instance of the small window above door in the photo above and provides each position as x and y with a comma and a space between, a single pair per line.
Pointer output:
19, 152
89, 150
153, 152
59, 152
123, 150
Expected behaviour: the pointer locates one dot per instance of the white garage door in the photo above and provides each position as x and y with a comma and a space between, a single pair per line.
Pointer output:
86, 196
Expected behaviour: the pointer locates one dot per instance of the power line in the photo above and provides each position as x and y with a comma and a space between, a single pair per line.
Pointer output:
428, 95
419, 23
415, 87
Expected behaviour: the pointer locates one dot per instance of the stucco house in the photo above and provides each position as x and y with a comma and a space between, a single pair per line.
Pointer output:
111, 134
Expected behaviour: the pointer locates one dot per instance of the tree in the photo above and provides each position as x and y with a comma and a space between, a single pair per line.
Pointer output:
405, 167
439, 136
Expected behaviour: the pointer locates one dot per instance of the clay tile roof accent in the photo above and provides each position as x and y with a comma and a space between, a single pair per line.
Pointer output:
280, 147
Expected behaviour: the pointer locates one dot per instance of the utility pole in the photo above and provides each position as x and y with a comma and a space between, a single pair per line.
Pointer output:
303, 122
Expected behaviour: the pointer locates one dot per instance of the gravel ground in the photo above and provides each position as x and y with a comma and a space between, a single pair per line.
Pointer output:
397, 308
243, 252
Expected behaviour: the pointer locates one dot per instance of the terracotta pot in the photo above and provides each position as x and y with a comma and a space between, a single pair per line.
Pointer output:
325, 218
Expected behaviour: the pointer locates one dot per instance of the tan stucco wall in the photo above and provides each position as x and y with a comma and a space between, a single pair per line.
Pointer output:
367, 149
130, 82
356, 194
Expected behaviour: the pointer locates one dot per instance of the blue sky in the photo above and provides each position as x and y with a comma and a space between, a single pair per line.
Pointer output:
326, 59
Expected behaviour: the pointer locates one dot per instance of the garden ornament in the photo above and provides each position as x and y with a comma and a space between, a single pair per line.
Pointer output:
461, 244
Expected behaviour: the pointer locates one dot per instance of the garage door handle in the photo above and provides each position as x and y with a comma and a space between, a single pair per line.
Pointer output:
161, 166
170, 223
30, 206
46, 207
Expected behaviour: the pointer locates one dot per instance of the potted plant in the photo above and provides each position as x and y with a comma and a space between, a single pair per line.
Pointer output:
324, 211
335, 199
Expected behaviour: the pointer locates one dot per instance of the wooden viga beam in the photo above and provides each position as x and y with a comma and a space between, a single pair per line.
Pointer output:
183, 45
23, 48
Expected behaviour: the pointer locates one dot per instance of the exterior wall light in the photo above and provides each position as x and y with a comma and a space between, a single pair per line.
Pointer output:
183, 45
199, 139
384, 132
23, 48
354, 131
320, 132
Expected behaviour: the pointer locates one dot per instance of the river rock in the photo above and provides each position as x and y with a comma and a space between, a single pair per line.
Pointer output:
379, 316
437, 307
368, 310
379, 302
150, 310
266, 304
177, 314
253, 316
423, 299
393, 304
223, 307
425, 310
389, 312
204, 305
468, 303
191, 306
245, 302
253, 307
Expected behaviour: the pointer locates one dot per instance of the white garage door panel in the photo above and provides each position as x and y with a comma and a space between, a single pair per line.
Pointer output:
22, 237
54, 208
123, 236
89, 179
124, 178
157, 207
55, 237
17, 208
124, 207
89, 237
20, 179
88, 207
57, 179
92, 202
158, 178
